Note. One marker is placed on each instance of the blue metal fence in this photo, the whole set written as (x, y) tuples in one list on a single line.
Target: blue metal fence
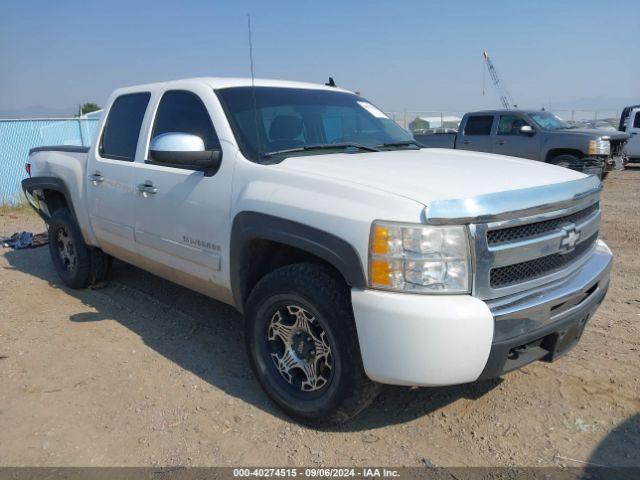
[(18, 136)]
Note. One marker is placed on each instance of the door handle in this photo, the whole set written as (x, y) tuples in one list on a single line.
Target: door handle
[(147, 188), (500, 142), (96, 178), (634, 133), (466, 142)]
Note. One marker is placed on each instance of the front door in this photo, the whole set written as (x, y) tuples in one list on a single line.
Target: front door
[(632, 148), (182, 216), (510, 141), (110, 187)]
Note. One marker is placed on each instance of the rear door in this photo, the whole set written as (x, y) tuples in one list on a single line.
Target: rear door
[(110, 169), (632, 148), (509, 141), (476, 133), (182, 226)]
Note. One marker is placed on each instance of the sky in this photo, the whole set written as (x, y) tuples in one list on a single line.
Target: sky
[(402, 55)]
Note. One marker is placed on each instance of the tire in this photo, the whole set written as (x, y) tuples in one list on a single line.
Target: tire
[(77, 264), (288, 303), (565, 161), (604, 176), (100, 269)]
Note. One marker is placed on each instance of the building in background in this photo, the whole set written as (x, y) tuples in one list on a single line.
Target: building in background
[(435, 124)]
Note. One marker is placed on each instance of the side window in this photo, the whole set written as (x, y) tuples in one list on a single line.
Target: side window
[(510, 124), (122, 128), (478, 125), (183, 112), (636, 121)]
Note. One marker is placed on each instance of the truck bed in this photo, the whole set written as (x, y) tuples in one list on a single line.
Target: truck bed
[(61, 148), (65, 166), (437, 140)]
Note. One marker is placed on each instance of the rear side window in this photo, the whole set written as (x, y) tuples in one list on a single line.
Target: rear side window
[(478, 125), (183, 112), (122, 128), (636, 122)]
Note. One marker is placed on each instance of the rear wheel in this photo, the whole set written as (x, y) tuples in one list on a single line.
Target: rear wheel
[(303, 346), (77, 265)]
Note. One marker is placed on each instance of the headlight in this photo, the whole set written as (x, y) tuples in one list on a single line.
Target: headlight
[(599, 147), (419, 258)]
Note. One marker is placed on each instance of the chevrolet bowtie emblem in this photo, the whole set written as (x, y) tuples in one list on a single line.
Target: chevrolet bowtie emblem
[(570, 239)]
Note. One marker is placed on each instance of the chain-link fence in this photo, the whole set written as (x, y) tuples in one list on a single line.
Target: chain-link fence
[(420, 120), (588, 115), (18, 136)]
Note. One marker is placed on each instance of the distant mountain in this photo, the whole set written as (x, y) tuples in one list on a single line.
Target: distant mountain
[(38, 112)]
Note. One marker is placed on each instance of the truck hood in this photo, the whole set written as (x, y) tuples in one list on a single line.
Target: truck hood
[(432, 174), (595, 132)]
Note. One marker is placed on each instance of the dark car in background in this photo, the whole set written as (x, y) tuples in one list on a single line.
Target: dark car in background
[(536, 135)]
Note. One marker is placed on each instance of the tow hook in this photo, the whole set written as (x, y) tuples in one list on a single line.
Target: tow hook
[(517, 351)]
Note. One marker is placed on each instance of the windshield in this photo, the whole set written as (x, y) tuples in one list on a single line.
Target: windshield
[(549, 121), (294, 121)]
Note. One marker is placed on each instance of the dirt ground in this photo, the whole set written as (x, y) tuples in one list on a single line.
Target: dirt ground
[(144, 372)]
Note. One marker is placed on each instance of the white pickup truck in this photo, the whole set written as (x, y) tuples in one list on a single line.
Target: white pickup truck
[(630, 123), (357, 257)]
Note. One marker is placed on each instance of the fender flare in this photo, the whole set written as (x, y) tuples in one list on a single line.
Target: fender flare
[(249, 226), (29, 185), (551, 153)]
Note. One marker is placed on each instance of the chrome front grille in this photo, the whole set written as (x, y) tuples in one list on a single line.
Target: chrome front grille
[(520, 272), (532, 230), (518, 254)]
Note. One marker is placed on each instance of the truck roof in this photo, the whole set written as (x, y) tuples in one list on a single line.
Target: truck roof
[(226, 82)]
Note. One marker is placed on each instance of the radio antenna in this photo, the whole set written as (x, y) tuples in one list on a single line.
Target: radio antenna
[(253, 88), (250, 49)]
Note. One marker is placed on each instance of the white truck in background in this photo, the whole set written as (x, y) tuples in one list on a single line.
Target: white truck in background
[(357, 257), (630, 123)]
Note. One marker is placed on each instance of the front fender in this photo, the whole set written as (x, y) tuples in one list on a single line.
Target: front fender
[(249, 226), (326, 217), (565, 141)]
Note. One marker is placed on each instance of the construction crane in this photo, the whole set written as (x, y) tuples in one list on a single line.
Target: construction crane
[(501, 89)]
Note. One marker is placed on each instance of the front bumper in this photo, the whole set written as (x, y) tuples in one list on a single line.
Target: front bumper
[(593, 165), (432, 340), (546, 323), (615, 162)]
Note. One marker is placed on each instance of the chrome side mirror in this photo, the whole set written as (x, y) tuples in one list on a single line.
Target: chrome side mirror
[(527, 130), (184, 150)]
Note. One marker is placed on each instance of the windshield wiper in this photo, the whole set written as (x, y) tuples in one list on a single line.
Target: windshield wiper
[(322, 146), (404, 143)]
